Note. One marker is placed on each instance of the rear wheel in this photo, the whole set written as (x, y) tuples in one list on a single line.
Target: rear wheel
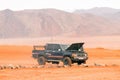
[(67, 61), (41, 60)]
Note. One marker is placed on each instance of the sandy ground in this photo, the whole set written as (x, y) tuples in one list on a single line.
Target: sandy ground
[(21, 55)]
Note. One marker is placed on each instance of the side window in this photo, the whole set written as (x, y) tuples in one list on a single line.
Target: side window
[(56, 47), (49, 47), (53, 47)]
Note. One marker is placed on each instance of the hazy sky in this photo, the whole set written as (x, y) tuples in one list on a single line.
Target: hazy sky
[(68, 5)]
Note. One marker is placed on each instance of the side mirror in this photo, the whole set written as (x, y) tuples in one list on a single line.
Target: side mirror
[(59, 50), (79, 49)]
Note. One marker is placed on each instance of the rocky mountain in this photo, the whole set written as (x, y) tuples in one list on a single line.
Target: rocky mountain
[(52, 22), (105, 12)]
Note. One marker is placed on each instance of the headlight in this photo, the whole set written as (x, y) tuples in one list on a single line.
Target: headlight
[(74, 55), (85, 54)]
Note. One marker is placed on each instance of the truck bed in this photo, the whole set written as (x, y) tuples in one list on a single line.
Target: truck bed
[(36, 53)]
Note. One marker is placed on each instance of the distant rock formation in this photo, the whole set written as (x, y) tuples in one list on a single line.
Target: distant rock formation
[(52, 22)]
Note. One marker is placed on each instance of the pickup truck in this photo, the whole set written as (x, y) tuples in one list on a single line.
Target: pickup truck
[(55, 53)]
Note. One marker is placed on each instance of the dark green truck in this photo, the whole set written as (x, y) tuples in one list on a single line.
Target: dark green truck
[(55, 53)]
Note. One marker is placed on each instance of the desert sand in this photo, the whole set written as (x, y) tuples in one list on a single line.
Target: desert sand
[(103, 64)]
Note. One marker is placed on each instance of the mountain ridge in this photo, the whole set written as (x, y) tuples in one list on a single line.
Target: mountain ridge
[(53, 22)]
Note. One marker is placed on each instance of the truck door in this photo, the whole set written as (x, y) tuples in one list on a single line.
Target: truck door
[(57, 55), (54, 52)]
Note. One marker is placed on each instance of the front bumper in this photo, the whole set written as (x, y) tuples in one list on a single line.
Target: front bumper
[(80, 58)]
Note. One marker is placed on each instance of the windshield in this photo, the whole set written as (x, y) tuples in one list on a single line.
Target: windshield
[(64, 47)]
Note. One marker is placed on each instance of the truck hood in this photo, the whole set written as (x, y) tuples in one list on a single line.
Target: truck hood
[(75, 46)]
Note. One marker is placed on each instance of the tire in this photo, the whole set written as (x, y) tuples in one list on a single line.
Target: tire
[(41, 60), (67, 61)]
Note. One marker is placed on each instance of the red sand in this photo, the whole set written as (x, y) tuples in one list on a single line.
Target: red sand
[(22, 55)]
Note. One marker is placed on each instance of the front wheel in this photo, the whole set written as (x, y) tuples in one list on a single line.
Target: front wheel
[(41, 60), (67, 61)]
